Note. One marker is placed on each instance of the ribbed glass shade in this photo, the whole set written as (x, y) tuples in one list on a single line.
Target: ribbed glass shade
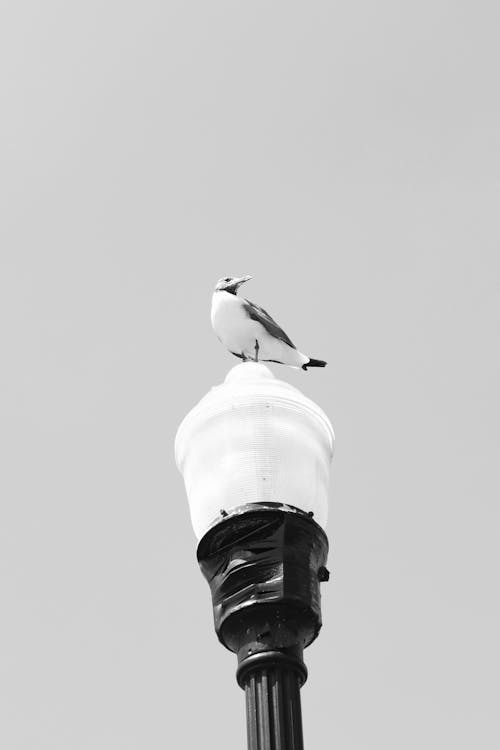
[(254, 439)]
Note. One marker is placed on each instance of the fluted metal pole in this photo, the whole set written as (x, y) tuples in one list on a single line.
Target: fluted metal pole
[(274, 718)]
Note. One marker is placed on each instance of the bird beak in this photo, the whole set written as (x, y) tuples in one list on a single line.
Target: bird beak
[(241, 280)]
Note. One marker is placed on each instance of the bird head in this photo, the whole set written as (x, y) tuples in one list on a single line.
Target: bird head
[(230, 284)]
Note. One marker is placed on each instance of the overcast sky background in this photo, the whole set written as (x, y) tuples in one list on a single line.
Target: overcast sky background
[(347, 155)]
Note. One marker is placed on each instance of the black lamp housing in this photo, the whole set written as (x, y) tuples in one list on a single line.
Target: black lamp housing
[(264, 563)]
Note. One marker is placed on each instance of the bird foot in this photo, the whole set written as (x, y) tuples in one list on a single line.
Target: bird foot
[(256, 350)]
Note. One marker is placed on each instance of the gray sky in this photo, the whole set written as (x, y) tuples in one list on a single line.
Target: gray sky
[(347, 155)]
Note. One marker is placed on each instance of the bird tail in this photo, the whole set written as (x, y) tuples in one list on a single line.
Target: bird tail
[(314, 363)]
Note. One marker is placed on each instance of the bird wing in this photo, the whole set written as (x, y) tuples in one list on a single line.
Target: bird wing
[(261, 316)]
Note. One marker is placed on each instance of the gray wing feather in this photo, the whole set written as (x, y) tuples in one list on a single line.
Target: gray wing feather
[(259, 314)]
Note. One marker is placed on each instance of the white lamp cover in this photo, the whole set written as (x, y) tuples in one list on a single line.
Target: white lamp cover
[(254, 439)]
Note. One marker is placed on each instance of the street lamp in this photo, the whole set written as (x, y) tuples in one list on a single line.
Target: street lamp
[(255, 455)]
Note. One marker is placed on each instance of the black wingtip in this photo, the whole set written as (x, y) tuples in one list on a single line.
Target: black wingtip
[(314, 363)]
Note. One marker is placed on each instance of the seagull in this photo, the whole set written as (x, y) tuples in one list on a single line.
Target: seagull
[(249, 332)]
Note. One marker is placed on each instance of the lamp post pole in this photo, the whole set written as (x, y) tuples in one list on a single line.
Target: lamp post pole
[(264, 560), (264, 564)]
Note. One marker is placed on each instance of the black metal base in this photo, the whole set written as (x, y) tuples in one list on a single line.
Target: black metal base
[(264, 564)]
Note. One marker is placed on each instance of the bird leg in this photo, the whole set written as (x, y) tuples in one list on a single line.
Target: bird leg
[(256, 350)]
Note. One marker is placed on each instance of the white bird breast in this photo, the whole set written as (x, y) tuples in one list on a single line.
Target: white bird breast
[(232, 324)]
